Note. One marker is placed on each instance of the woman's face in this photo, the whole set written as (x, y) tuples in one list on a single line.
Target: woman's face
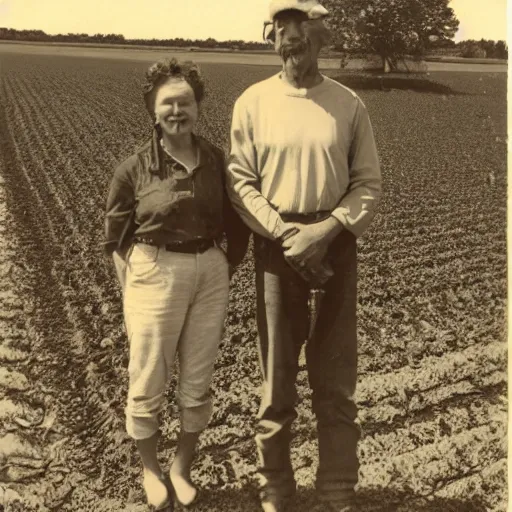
[(176, 108)]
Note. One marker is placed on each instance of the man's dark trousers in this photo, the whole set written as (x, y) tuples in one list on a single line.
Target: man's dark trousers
[(331, 356)]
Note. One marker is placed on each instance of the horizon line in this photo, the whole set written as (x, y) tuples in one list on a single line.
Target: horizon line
[(190, 38)]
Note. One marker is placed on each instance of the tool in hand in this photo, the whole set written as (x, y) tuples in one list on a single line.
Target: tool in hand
[(316, 279)]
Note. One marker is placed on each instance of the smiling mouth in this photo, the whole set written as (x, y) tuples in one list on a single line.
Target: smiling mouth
[(289, 51)]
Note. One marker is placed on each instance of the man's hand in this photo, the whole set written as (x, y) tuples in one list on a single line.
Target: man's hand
[(286, 230), (309, 245)]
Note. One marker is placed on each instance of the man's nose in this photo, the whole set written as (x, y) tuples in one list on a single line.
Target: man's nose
[(175, 108)]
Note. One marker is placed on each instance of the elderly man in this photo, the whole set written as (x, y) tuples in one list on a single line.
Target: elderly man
[(304, 175)]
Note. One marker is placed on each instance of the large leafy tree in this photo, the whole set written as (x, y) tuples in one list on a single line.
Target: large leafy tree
[(391, 28)]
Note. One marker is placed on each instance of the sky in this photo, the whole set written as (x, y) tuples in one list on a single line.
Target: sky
[(199, 19)]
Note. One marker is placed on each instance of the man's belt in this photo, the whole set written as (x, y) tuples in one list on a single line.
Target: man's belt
[(189, 246), (305, 218)]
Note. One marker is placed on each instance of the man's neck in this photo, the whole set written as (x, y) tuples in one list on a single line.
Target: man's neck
[(301, 77)]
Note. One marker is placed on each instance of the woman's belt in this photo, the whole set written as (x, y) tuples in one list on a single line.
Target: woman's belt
[(189, 246)]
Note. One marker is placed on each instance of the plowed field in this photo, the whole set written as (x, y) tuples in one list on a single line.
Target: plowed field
[(432, 386)]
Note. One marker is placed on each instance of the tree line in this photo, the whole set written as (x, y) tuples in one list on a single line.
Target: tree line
[(484, 48), (11, 34), (467, 48)]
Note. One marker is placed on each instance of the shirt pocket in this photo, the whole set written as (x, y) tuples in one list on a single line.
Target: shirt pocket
[(143, 260)]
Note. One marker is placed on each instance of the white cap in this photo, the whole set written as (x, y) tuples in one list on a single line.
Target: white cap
[(312, 8)]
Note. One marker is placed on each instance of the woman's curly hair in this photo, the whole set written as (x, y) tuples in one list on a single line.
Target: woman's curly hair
[(160, 71)]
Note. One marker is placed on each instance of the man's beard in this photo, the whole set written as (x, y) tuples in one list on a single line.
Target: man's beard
[(293, 51)]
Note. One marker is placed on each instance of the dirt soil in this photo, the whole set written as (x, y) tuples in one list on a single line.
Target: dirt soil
[(432, 384)]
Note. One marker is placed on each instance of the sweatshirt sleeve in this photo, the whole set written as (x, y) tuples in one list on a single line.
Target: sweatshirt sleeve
[(120, 202), (243, 180), (237, 233), (357, 208)]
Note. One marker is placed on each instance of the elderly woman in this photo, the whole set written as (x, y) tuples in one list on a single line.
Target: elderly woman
[(167, 212)]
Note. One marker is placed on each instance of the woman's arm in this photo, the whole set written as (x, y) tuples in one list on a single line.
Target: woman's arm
[(120, 203)]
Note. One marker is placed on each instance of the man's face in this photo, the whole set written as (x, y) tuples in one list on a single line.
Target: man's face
[(298, 39), (176, 108)]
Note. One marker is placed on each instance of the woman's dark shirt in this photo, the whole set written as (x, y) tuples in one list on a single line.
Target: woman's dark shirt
[(172, 204)]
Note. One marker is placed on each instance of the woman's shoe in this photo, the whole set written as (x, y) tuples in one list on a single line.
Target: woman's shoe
[(184, 492), (156, 491)]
